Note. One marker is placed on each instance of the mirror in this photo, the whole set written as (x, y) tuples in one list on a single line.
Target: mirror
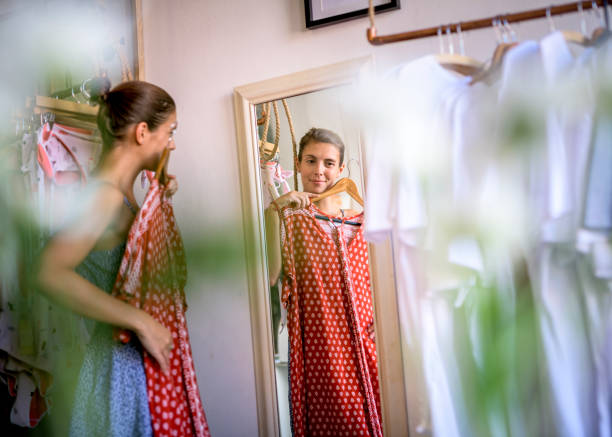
[(320, 167), (314, 98)]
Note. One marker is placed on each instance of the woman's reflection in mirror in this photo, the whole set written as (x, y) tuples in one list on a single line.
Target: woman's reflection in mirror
[(322, 264)]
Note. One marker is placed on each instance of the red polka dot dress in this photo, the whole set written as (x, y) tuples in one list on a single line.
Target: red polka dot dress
[(333, 375), (152, 276)]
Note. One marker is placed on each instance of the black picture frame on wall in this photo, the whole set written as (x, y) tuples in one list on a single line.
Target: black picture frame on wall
[(325, 12)]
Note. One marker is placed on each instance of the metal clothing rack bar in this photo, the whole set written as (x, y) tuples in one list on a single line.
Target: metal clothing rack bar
[(483, 22)]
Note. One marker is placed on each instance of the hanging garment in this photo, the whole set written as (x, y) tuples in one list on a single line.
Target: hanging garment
[(34, 333), (558, 175), (66, 156), (594, 241), (67, 153), (433, 181), (333, 374), (152, 277), (411, 141), (27, 387), (598, 198), (274, 180)]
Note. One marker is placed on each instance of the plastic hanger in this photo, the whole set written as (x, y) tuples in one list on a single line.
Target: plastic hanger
[(343, 185), (459, 63)]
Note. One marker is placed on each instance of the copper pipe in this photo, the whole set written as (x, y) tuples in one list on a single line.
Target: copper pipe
[(481, 23)]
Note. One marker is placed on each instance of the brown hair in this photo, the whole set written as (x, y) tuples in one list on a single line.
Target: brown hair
[(127, 104), (320, 135)]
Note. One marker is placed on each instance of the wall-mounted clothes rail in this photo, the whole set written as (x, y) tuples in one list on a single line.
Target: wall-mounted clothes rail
[(64, 111), (43, 103), (483, 22)]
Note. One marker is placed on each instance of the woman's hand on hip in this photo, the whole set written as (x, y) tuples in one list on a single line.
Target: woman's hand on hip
[(156, 339)]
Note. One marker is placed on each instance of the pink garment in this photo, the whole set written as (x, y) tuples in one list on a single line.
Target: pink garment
[(274, 181), (29, 387), (152, 276), (66, 154)]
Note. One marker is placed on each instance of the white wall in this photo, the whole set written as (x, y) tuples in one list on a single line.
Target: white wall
[(199, 51)]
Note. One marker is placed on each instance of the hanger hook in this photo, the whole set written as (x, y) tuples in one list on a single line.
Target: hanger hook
[(583, 27), (504, 30), (451, 47), (510, 29), (594, 7), (440, 40), (498, 34), (551, 23), (461, 40), (598, 14), (501, 31), (84, 89)]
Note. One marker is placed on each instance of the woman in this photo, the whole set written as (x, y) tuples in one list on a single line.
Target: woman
[(137, 121), (326, 289)]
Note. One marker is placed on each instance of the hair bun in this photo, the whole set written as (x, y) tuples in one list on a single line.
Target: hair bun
[(99, 88)]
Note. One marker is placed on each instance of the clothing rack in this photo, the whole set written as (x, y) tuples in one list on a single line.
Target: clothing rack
[(483, 22), (56, 105)]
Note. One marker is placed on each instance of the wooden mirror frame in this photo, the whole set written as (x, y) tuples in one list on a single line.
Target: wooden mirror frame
[(393, 396), (139, 40)]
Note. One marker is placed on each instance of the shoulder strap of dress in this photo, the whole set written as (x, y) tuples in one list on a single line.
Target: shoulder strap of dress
[(129, 205)]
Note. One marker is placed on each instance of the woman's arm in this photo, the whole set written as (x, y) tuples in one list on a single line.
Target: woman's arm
[(59, 280), (294, 199), (273, 244)]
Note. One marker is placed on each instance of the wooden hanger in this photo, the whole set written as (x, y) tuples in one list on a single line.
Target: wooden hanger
[(602, 33), (487, 74), (504, 45), (576, 37), (160, 172), (459, 63), (571, 36), (343, 185)]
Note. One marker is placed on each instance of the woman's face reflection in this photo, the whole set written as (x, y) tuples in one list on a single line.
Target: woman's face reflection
[(319, 166)]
